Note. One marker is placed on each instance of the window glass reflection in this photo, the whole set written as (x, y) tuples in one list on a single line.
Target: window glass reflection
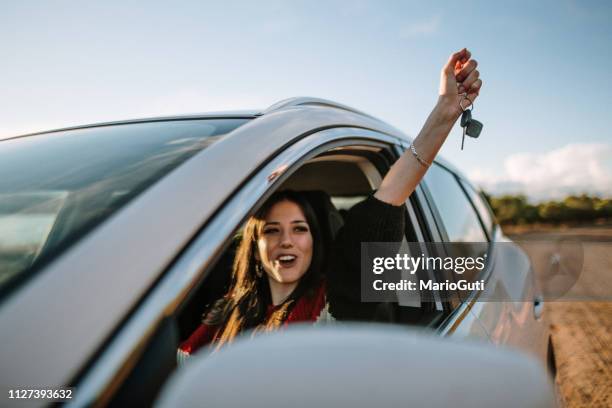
[(55, 187)]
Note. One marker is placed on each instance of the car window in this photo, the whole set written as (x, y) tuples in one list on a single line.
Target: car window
[(456, 213), (320, 181), (459, 220), (57, 186)]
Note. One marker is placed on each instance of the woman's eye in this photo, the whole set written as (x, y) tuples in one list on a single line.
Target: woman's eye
[(301, 229), (270, 231)]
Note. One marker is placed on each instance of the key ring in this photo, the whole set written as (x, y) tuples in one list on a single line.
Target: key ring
[(461, 103)]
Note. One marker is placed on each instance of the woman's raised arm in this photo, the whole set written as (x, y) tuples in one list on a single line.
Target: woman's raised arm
[(458, 76)]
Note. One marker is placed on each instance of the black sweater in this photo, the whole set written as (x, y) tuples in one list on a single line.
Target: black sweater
[(371, 220)]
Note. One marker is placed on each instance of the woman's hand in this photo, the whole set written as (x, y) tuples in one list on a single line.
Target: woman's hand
[(458, 76)]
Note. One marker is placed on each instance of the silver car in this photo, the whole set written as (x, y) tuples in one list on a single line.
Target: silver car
[(114, 236)]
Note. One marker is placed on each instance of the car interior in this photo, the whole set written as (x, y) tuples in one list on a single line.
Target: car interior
[(333, 181)]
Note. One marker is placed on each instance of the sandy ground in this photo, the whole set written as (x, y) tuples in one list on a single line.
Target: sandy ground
[(582, 324), (583, 348)]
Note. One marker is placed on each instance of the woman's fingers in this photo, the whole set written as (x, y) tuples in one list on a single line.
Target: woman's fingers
[(466, 69), (471, 79), (455, 59), (474, 90), (460, 76)]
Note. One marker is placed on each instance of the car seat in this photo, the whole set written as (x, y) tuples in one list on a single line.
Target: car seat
[(330, 220)]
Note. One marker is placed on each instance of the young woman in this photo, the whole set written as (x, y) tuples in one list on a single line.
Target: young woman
[(282, 274)]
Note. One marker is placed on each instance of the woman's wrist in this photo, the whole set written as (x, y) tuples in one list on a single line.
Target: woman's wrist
[(447, 109)]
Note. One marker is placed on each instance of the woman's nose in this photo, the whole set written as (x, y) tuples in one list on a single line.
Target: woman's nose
[(286, 240)]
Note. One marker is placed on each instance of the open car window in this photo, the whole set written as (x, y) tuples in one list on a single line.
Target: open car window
[(342, 179)]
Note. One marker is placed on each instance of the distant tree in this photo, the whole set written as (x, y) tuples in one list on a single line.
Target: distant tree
[(603, 207), (531, 214), (515, 209), (552, 211), (509, 209), (579, 208)]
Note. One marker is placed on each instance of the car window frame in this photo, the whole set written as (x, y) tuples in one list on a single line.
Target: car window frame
[(420, 213)]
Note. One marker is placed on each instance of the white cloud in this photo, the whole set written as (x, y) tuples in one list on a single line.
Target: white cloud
[(573, 169), (421, 28)]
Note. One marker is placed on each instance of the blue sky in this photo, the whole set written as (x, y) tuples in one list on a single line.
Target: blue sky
[(546, 102)]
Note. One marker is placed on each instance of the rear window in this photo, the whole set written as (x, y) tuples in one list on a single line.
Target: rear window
[(458, 216), (56, 187)]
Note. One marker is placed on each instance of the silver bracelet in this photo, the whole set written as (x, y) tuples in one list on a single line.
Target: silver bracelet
[(416, 156)]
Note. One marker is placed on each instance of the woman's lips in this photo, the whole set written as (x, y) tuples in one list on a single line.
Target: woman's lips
[(286, 260)]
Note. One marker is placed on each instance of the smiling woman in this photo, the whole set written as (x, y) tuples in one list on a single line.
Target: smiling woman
[(285, 247), (282, 273), (277, 274)]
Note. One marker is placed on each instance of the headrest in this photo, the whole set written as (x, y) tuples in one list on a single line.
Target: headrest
[(328, 216)]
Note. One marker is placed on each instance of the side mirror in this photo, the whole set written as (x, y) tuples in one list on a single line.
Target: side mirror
[(359, 366)]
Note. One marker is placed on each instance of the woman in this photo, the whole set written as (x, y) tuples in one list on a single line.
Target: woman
[(278, 274)]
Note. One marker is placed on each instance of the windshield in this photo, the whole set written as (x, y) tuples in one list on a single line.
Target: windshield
[(56, 187)]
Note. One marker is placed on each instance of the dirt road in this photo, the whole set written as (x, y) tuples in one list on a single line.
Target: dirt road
[(582, 330), (582, 339)]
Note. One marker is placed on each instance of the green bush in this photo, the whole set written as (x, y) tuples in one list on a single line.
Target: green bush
[(516, 210)]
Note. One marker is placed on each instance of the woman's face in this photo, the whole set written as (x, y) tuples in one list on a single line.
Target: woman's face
[(285, 243)]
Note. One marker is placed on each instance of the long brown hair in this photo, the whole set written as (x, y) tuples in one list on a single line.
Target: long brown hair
[(245, 304)]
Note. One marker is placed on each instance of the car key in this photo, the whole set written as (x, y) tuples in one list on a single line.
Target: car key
[(466, 118), (473, 128)]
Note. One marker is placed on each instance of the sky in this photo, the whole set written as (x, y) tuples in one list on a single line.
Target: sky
[(546, 101)]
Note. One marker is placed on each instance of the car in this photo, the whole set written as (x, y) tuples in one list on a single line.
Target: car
[(115, 235)]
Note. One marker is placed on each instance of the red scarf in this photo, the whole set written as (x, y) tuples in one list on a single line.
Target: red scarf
[(306, 309)]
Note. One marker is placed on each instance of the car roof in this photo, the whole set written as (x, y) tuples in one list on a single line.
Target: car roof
[(335, 110), (238, 114)]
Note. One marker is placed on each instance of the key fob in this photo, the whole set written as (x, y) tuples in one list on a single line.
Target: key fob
[(474, 128), (466, 116)]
